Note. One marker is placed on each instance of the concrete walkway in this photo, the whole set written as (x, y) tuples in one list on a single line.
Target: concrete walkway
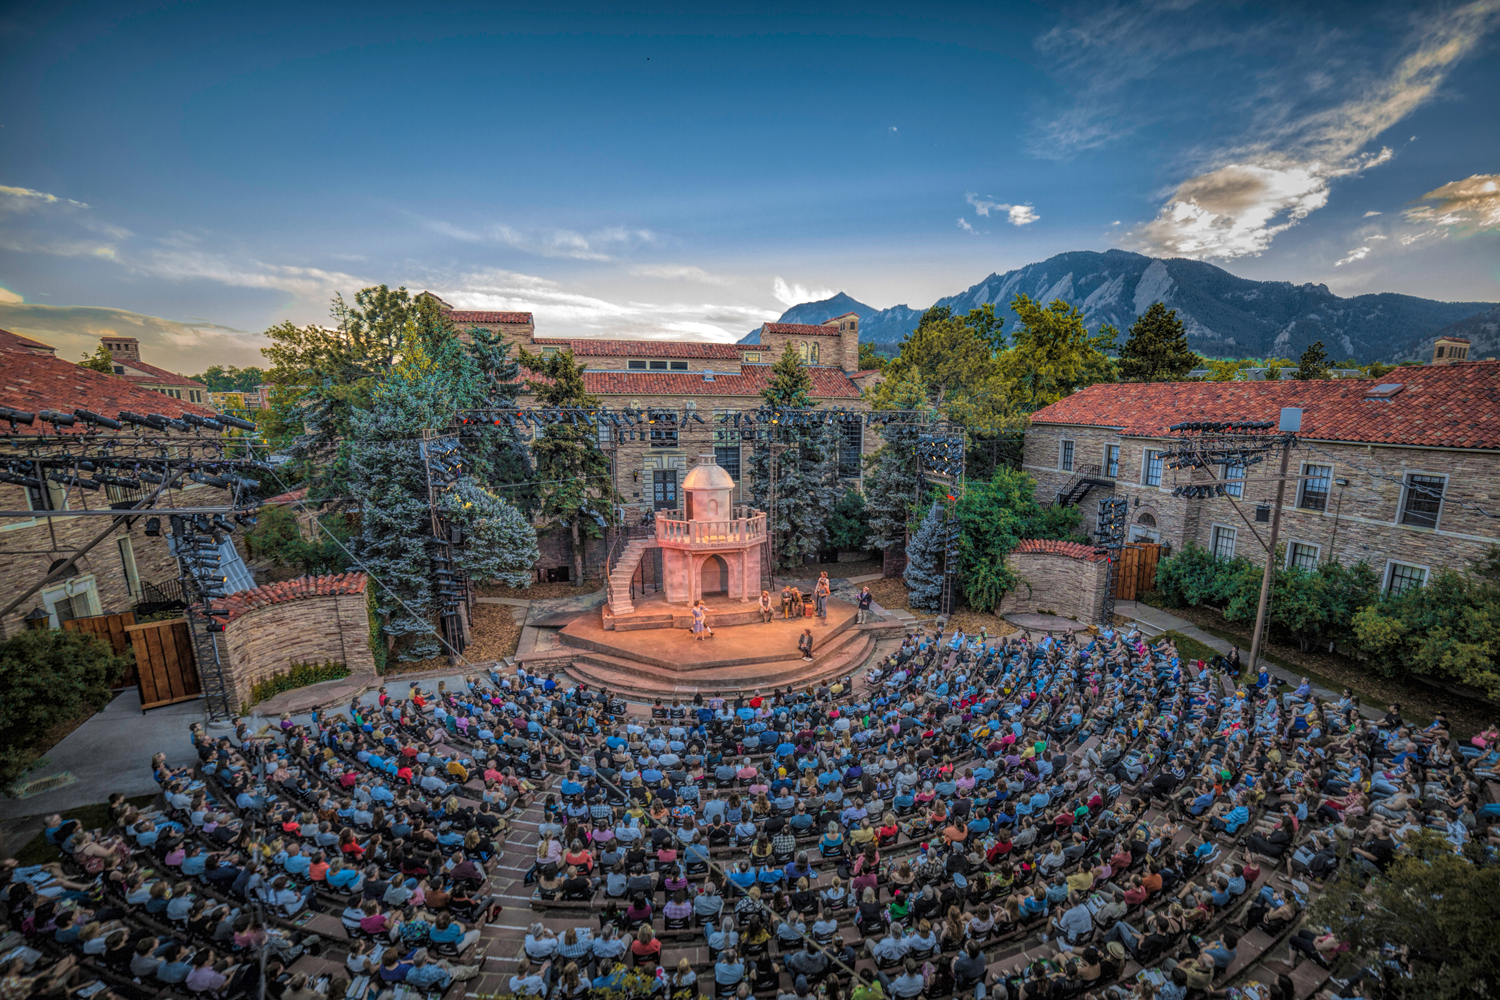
[(1155, 621)]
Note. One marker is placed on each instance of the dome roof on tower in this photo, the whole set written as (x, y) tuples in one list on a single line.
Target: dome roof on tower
[(707, 476)]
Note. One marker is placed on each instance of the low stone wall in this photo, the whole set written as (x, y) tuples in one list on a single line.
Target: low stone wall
[(306, 620), (1064, 578)]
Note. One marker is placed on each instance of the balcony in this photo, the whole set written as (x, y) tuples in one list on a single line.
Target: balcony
[(746, 528)]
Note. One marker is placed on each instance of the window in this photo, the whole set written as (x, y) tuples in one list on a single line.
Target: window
[(664, 489), (1314, 492), (1066, 463), (119, 369), (1422, 500), (1400, 578), (1223, 542), (127, 567), (663, 428), (1302, 556), (752, 357), (727, 457), (195, 396), (851, 444), (658, 366), (636, 366), (70, 600), (1151, 469), (1233, 471), (679, 366), (549, 352), (808, 352), (1111, 460)]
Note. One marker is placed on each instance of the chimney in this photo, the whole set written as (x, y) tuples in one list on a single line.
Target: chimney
[(122, 348), (1447, 350)]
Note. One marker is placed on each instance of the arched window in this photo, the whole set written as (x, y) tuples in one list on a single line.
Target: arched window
[(1147, 520)]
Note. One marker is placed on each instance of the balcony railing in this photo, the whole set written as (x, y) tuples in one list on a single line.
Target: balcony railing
[(746, 527)]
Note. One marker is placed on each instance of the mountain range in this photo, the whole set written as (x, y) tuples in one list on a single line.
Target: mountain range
[(1225, 315)]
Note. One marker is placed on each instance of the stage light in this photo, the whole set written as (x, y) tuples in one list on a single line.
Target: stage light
[(232, 421), (153, 527)]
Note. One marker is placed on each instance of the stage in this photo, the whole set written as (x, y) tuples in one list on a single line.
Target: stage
[(658, 659)]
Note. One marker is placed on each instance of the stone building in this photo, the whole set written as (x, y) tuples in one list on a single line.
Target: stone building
[(1402, 473), (126, 352), (112, 575)]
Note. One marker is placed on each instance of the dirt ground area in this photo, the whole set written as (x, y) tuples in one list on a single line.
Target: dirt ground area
[(535, 591), (494, 633), (891, 593)]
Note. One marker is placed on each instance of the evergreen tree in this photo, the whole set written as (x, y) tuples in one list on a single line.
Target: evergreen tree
[(802, 456), (924, 560), (1054, 354), (893, 483), (1157, 350), (849, 523), (1314, 363), (100, 361), (577, 489), (500, 459)]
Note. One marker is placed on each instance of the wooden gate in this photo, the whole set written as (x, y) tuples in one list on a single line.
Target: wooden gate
[(1137, 570), (110, 628), (165, 667)]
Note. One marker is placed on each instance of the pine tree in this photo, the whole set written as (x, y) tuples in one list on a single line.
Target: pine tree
[(100, 361), (893, 486), (1157, 350), (577, 488), (1314, 363), (924, 560), (500, 459), (802, 455)]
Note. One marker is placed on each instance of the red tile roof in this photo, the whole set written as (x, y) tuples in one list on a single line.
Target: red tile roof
[(1043, 546), (646, 348), (802, 329), (14, 341), (153, 375), (244, 601), (1456, 340), (478, 316), (828, 383), (34, 382), (1439, 406), (295, 496)]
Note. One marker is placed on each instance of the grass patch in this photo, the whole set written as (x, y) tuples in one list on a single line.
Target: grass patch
[(95, 817)]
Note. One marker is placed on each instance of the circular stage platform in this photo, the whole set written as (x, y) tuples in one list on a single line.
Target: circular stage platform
[(1046, 623)]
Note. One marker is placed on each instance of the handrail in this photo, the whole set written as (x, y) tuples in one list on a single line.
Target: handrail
[(747, 529)]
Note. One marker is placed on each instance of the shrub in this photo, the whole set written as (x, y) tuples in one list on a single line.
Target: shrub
[(298, 675), (1449, 628), (49, 677), (995, 516)]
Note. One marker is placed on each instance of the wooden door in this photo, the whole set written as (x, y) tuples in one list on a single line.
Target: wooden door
[(110, 628), (1137, 570), (166, 669)]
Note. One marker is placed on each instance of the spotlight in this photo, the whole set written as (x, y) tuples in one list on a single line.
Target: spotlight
[(97, 419), (153, 527)]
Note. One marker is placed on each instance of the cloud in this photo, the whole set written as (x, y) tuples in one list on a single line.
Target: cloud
[(562, 312), (1236, 210), (1411, 238), (678, 272), (602, 244), (180, 346), (1017, 215), (8, 297), (1359, 253), (790, 295), (964, 225), (1305, 125), (1471, 204), (1370, 215), (19, 199)]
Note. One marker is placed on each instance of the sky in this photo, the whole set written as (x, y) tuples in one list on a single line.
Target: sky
[(193, 173)]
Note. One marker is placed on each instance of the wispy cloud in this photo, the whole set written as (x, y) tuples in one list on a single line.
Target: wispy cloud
[(1283, 172), (790, 295), (964, 225), (1469, 205), (19, 199), (1358, 253), (680, 272), (1371, 215), (601, 244), (1016, 215), (563, 312), (38, 222)]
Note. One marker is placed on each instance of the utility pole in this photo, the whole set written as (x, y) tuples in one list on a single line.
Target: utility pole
[(1291, 423)]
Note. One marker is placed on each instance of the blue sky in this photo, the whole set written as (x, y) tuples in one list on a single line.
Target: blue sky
[(193, 173)]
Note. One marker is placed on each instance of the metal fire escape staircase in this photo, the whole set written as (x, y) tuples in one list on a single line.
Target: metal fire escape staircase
[(1086, 478)]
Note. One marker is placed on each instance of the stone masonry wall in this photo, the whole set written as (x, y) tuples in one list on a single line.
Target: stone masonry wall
[(271, 637), (1059, 582)]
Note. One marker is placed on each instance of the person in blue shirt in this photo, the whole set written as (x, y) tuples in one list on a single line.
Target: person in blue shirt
[(743, 876)]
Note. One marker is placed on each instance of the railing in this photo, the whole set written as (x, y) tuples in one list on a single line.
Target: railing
[(623, 536), (746, 527), (168, 596), (1085, 478)]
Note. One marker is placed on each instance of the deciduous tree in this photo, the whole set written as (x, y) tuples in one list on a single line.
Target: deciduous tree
[(100, 361), (1053, 354)]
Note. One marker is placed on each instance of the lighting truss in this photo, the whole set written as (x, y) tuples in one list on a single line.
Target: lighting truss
[(1110, 532)]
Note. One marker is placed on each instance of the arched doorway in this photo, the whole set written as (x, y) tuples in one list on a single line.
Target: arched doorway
[(715, 578)]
